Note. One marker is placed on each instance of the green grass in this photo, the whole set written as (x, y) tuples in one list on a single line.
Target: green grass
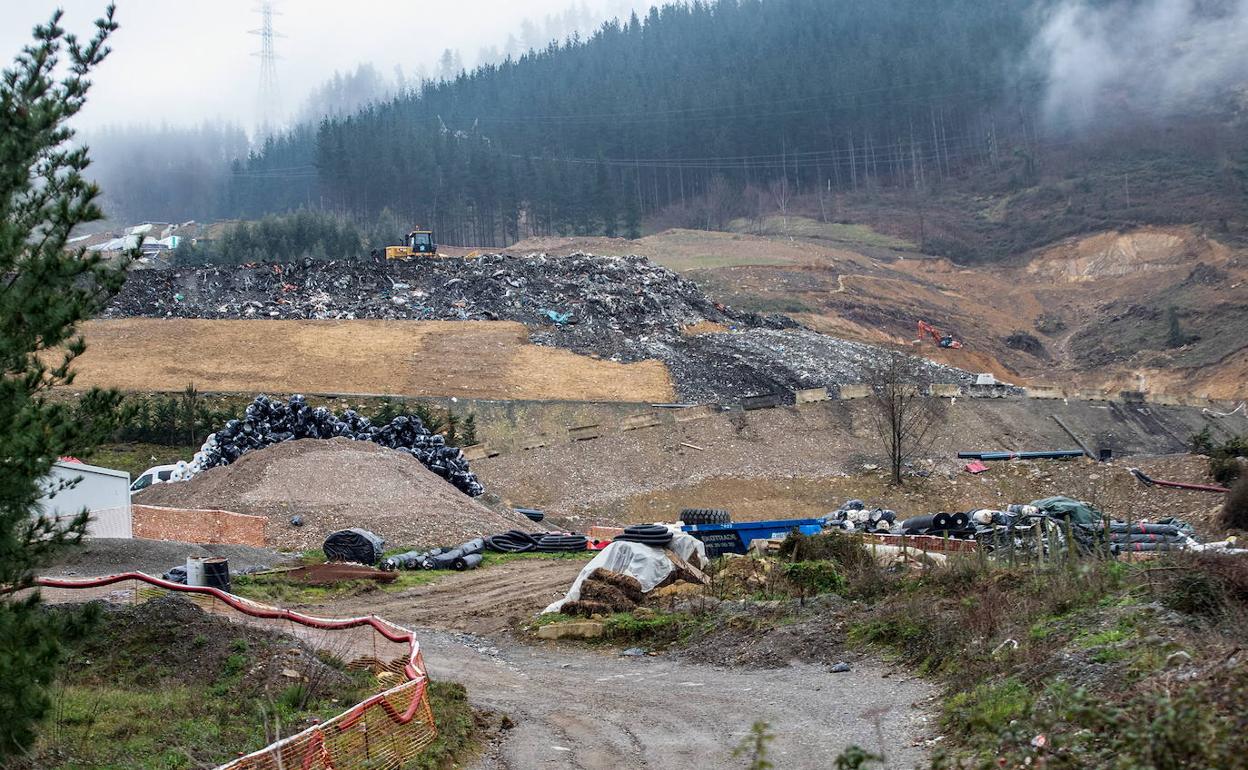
[(988, 707), (159, 728), (458, 737), (643, 626), (136, 458), (275, 589), (805, 227)]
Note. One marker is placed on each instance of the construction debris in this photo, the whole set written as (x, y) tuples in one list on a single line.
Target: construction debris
[(650, 566)]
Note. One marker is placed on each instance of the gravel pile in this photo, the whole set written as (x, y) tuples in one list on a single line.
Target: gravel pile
[(337, 484), (621, 308), (267, 422), (109, 555)]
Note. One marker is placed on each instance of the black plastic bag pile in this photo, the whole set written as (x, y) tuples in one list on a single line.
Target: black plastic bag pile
[(462, 557), (516, 541), (354, 545), (269, 421)]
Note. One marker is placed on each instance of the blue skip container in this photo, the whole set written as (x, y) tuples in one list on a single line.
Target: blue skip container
[(720, 539)]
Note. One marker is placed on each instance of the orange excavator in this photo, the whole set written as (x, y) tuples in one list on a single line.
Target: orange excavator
[(942, 340)]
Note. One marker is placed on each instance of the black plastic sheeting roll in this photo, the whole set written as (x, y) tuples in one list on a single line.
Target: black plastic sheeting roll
[(1123, 537), (647, 534), (468, 561), (953, 524), (1142, 528), (268, 421), (532, 513), (354, 545), (918, 525), (464, 556)]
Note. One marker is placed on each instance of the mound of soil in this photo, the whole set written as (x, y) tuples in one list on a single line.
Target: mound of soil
[(110, 555), (171, 641), (336, 484)]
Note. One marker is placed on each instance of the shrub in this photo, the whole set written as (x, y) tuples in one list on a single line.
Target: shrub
[(815, 577), (1235, 509)]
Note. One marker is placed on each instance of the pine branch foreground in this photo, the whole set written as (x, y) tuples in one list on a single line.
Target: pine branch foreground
[(45, 292)]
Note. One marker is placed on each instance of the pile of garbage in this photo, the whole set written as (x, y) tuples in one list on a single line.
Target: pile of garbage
[(587, 298), (267, 422), (624, 309), (642, 554)]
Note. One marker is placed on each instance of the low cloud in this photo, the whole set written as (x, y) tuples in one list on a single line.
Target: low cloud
[(1149, 57)]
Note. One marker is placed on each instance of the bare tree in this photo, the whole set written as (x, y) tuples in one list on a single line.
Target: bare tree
[(783, 198), (720, 201), (903, 412)]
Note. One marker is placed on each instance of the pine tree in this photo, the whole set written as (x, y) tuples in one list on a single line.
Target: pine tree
[(45, 291)]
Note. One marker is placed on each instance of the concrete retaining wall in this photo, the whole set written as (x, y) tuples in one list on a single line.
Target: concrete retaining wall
[(197, 525)]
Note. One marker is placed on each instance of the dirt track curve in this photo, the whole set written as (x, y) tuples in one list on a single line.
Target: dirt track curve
[(579, 707)]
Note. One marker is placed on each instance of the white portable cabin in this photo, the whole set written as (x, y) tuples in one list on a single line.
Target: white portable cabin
[(102, 491)]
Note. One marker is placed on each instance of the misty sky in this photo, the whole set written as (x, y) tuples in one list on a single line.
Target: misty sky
[(183, 62)]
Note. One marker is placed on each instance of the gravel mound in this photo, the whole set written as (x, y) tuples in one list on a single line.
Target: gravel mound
[(624, 309), (336, 484), (110, 555)]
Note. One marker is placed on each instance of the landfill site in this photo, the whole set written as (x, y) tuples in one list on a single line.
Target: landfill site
[(673, 521)]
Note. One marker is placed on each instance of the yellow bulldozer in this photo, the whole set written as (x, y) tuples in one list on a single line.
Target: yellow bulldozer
[(420, 243)]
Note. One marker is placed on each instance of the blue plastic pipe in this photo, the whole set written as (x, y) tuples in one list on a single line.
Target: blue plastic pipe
[(1055, 454)]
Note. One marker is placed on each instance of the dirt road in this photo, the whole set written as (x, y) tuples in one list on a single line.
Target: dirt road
[(482, 601), (577, 707)]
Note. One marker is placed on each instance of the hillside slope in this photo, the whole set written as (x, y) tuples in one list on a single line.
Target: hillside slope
[(1091, 312)]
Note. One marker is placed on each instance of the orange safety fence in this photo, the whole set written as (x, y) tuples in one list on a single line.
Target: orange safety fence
[(385, 731)]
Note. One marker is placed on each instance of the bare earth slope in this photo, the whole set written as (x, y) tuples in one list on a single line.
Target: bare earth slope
[(481, 359), (1086, 312)]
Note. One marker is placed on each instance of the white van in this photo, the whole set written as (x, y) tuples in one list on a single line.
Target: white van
[(158, 474)]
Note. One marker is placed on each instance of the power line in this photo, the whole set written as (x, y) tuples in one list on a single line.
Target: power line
[(268, 94)]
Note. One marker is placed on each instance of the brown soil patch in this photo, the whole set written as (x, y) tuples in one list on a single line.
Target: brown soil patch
[(778, 463), (334, 485), (482, 601), (333, 573), (470, 359), (703, 327), (1110, 487)]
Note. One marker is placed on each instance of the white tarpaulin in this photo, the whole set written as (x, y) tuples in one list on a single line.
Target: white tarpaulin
[(648, 564)]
